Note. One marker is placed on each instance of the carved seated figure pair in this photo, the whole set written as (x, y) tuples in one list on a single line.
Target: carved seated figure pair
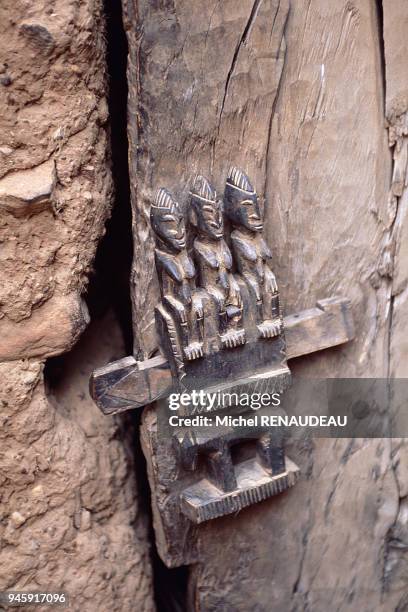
[(212, 256)]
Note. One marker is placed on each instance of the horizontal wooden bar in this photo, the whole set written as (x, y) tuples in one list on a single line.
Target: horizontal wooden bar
[(329, 324), (127, 384)]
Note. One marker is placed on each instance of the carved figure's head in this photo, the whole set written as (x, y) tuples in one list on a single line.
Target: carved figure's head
[(241, 202), (167, 221), (206, 210)]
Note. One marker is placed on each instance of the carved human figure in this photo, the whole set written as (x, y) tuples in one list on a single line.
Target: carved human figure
[(251, 253), (214, 261), (176, 273)]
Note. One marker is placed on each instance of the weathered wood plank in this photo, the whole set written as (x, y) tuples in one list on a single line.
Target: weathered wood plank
[(319, 546), (320, 148)]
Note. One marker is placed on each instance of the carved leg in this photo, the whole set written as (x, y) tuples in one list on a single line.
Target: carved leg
[(268, 326), (217, 456), (271, 453), (275, 308), (198, 316), (221, 470), (223, 321), (234, 300), (199, 325), (219, 300), (271, 324), (230, 338), (192, 350), (168, 332), (234, 312), (255, 293), (259, 312)]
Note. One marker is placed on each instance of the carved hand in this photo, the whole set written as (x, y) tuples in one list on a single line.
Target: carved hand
[(234, 296), (270, 283), (198, 307)]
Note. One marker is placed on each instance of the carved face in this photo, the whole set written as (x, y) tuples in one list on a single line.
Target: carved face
[(208, 218), (168, 222), (242, 208)]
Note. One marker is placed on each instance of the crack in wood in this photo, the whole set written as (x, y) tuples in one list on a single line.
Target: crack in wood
[(242, 41)]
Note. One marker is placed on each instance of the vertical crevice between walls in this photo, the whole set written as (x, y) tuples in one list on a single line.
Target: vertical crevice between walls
[(109, 287), (115, 260)]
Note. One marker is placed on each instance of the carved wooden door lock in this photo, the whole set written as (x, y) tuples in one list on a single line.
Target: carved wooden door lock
[(220, 328)]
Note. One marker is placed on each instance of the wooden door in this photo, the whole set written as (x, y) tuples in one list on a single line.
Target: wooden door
[(310, 97)]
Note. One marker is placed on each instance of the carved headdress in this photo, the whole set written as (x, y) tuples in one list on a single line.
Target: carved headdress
[(206, 209), (165, 217), (203, 190), (237, 179), (164, 203)]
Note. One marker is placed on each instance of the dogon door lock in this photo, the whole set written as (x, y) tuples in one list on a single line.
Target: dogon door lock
[(220, 328)]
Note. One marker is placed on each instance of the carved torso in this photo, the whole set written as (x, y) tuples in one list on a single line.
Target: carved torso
[(176, 275), (251, 253), (214, 262)]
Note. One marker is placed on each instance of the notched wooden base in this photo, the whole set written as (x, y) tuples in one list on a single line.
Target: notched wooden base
[(204, 501), (186, 493)]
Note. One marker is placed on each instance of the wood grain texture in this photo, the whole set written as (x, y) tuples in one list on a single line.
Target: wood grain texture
[(202, 83), (207, 86), (327, 188)]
